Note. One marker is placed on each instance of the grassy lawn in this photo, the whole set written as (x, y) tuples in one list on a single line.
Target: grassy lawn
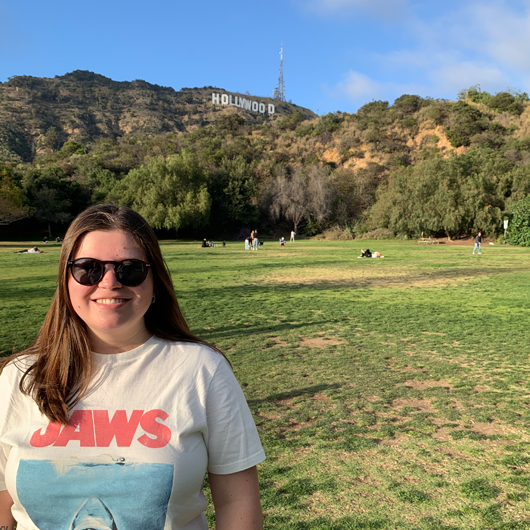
[(389, 393)]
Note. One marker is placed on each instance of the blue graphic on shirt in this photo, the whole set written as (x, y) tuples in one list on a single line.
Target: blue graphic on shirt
[(106, 494)]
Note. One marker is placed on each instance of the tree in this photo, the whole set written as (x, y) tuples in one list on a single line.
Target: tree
[(13, 205), (301, 196), (55, 198), (518, 232), (50, 208), (289, 197), (169, 192), (233, 188), (51, 139), (322, 193)]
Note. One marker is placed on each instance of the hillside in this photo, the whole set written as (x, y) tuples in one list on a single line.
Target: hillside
[(82, 106), (418, 165)]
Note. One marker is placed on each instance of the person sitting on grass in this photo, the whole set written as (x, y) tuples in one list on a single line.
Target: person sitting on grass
[(34, 250), (282, 241)]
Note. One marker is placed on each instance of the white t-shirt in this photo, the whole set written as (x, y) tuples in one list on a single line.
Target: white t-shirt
[(135, 451)]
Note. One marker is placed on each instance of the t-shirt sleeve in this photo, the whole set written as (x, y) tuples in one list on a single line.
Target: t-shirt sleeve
[(6, 388), (3, 462), (233, 442)]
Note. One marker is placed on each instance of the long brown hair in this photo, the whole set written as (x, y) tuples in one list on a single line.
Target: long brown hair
[(60, 374)]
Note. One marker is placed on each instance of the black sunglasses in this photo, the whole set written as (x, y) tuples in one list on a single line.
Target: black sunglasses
[(90, 271)]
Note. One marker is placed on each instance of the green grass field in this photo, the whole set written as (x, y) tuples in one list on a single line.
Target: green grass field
[(389, 393)]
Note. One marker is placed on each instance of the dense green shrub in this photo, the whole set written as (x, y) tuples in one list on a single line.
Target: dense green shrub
[(518, 232)]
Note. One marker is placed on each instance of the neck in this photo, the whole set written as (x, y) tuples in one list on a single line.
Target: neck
[(104, 343)]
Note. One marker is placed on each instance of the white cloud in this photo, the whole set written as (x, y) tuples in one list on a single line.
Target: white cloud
[(485, 43), (359, 89), (503, 34), (356, 85)]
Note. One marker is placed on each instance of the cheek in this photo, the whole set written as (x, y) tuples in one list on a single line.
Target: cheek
[(77, 294)]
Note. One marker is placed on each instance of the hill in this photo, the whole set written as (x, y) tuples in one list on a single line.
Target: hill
[(40, 114), (419, 165)]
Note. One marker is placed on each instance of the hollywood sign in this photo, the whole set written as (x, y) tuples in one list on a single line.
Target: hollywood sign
[(242, 103)]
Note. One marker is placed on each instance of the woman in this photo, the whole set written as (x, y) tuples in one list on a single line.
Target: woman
[(111, 418)]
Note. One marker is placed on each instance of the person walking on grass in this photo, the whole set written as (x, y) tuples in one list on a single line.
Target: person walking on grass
[(293, 233), (255, 241), (478, 241)]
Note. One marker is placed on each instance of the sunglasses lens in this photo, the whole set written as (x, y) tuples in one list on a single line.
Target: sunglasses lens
[(131, 272), (87, 271)]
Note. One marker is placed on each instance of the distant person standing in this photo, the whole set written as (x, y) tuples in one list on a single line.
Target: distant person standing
[(293, 233), (478, 241), (255, 241)]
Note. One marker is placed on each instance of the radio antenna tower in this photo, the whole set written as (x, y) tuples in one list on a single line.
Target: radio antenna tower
[(279, 91)]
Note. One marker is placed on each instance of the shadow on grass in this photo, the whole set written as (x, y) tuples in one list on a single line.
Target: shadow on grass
[(37, 287), (307, 391), (235, 331)]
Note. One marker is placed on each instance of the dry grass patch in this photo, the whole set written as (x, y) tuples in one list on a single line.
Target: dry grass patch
[(376, 275), (424, 405), (427, 383), (320, 342), (278, 342)]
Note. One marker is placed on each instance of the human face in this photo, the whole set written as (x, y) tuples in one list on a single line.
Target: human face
[(112, 312)]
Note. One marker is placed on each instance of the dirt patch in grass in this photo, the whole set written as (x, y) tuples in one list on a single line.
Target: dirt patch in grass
[(268, 416), (427, 383), (278, 341), (397, 439), (424, 405), (319, 396), (481, 388), (407, 369), (442, 434), (320, 342), (492, 428), (372, 277)]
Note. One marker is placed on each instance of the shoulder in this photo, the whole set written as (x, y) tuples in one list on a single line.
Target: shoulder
[(14, 370), (194, 356)]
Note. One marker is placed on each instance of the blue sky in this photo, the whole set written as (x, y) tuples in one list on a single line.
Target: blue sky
[(338, 54)]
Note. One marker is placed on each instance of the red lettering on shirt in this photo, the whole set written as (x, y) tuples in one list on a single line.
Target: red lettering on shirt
[(43, 439), (95, 429), (118, 427), (161, 432), (80, 427)]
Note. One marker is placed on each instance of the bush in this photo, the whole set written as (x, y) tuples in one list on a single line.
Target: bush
[(379, 233), (336, 233), (518, 232)]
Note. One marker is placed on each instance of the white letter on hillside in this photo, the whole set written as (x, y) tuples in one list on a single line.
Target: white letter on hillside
[(255, 106), (224, 99), (271, 108), (262, 108), (215, 98), (245, 103)]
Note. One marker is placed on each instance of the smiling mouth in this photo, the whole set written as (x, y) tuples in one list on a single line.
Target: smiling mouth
[(110, 301)]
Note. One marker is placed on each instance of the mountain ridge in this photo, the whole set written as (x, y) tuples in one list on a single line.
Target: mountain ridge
[(83, 106)]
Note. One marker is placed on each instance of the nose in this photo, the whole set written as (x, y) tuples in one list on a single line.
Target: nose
[(109, 280)]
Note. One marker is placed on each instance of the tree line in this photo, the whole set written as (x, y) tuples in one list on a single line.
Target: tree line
[(230, 175)]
